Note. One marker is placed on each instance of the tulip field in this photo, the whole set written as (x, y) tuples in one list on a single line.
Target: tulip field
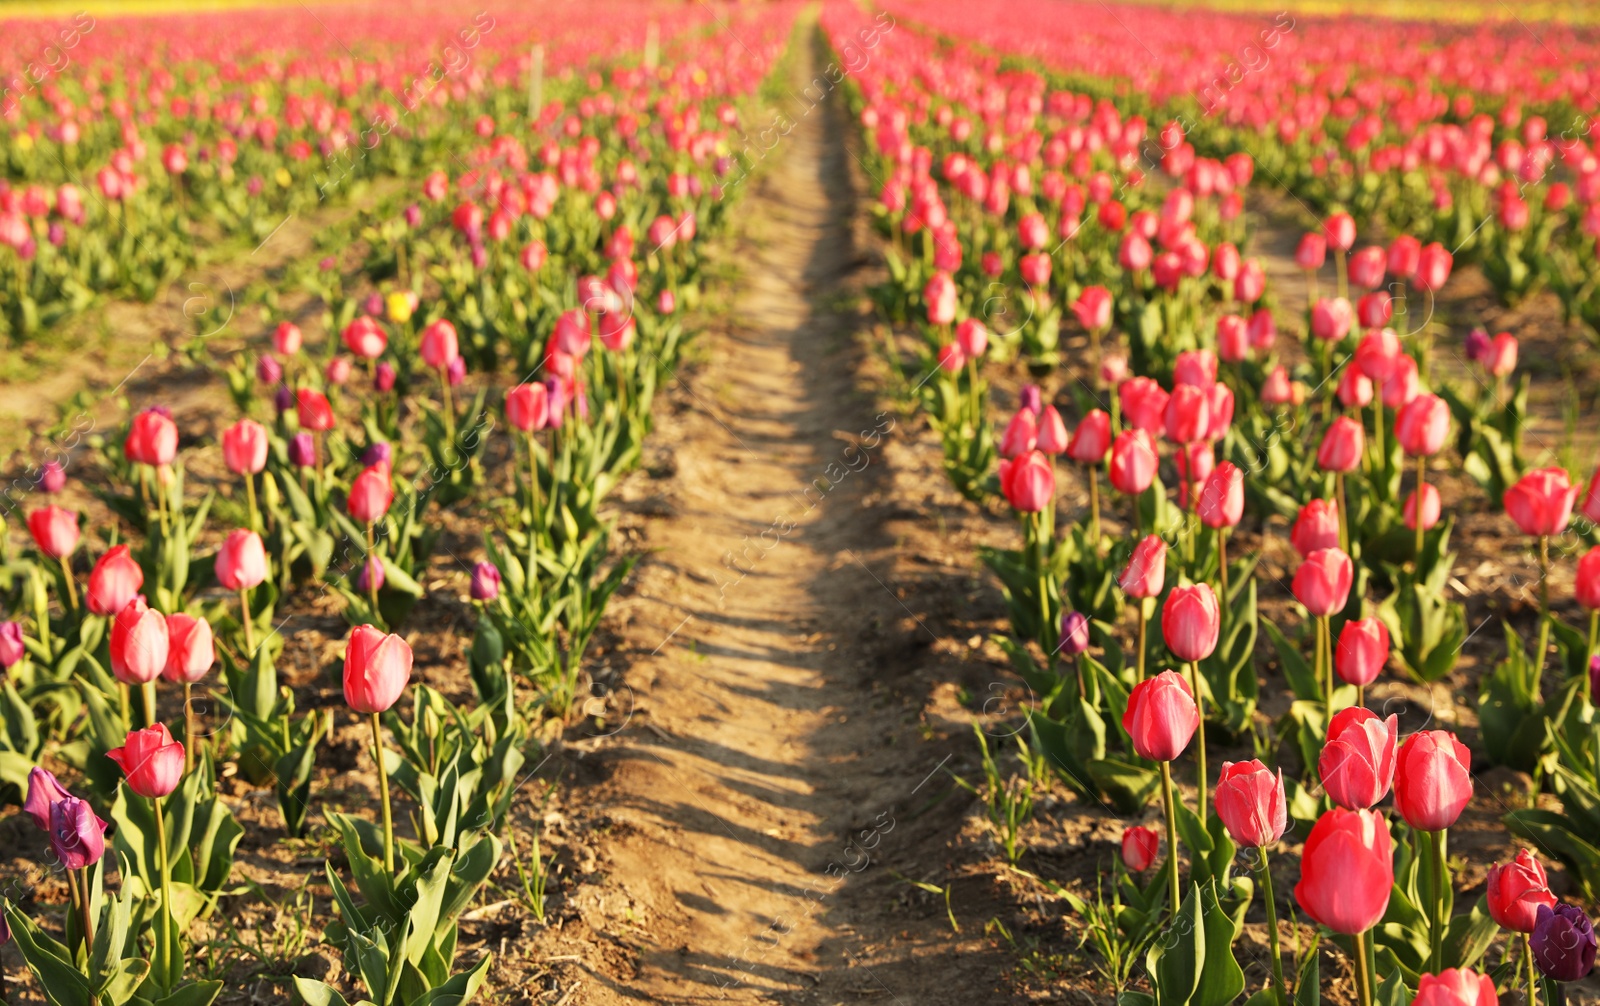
[(442, 563)]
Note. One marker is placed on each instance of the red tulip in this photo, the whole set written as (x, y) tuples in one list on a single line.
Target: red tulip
[(139, 643), (1403, 254), (1431, 507), (1363, 651), (1029, 482), (1144, 403), (1591, 499), (940, 296), (1190, 622), (1093, 308), (1541, 502), (1375, 310), (241, 561), (152, 761), (1587, 587), (1346, 870), (365, 337), (1161, 716), (528, 407), (1221, 402), (1312, 252), (1146, 572), (1331, 318), (439, 346), (1233, 338), (1195, 366), (1342, 446), (1251, 802), (1432, 780), (1355, 389), (1357, 762), (972, 337), (1251, 282), (1433, 267), (1378, 353), (1422, 425), (1516, 890), (190, 649), (1188, 414), (1052, 431), (54, 530), (1020, 436), (1456, 987), (286, 338), (1340, 231), (1092, 439), (1316, 527), (313, 410), (114, 581), (1139, 848), (1502, 356), (1277, 389), (1402, 386), (244, 447), (1322, 583), (1367, 266), (152, 439), (1221, 501), (370, 494), (1133, 462), (376, 669)]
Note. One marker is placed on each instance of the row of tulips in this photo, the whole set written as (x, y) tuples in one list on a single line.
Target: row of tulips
[(343, 445), (1323, 431)]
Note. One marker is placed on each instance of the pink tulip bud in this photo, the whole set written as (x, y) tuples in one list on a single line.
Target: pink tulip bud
[(190, 651), (1363, 650), (244, 447), (1190, 622), (241, 561), (1161, 716), (1322, 582), (1146, 572), (376, 669), (1251, 802), (113, 582), (152, 761)]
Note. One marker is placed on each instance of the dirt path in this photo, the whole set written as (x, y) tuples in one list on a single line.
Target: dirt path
[(769, 781)]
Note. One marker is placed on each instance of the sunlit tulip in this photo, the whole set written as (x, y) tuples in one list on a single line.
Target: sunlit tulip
[(139, 643), (1515, 890), (1422, 424), (1161, 716), (1133, 462), (1146, 572), (1316, 527), (1191, 621), (54, 530), (1541, 502), (113, 582), (244, 447), (241, 561), (1432, 780), (152, 439), (1346, 870), (1342, 446), (1362, 651), (1322, 582), (1140, 846), (1028, 482), (152, 761), (1456, 987), (1250, 800)]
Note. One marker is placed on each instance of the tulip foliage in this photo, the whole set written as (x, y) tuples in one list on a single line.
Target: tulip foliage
[(1049, 186), (484, 342)]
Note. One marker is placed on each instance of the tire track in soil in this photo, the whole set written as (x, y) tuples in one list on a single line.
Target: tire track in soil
[(773, 776)]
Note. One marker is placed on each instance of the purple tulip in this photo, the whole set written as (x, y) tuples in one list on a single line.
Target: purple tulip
[(373, 305), (283, 400), (57, 234), (77, 836), (54, 477), (1477, 345), (1031, 399), (11, 648), (43, 790), (485, 582), (371, 576), (1074, 633), (268, 370), (1563, 943), (302, 450), (383, 377), (377, 453), (413, 215)]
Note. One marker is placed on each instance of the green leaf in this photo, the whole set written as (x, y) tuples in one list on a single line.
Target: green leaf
[(1221, 978), (1174, 962)]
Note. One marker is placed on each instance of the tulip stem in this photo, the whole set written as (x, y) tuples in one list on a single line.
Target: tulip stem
[(1344, 513), (1222, 564), (149, 693), (383, 793), (1381, 457), (1272, 923), (1324, 672), (372, 579), (164, 939), (1544, 613), (1172, 833), (1140, 606), (247, 623), (1094, 506), (1200, 735), (1422, 480), (449, 410), (250, 497), (1363, 971), (86, 909), (72, 586), (1533, 976), (1440, 879), (188, 728)]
